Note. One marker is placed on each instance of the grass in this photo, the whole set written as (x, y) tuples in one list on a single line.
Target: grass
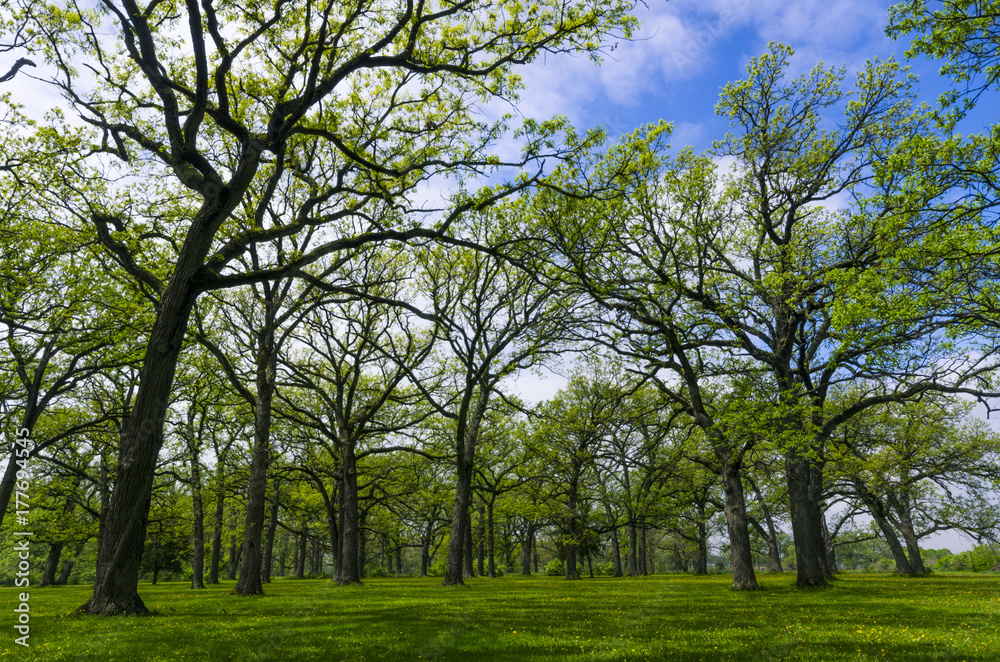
[(861, 617)]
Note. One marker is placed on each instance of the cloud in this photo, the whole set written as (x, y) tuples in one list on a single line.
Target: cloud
[(681, 40)]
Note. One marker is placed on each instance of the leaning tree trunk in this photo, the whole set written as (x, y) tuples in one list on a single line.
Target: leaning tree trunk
[(253, 531), (741, 555), (807, 527), (878, 513), (51, 564), (116, 587), (908, 531), (771, 535)]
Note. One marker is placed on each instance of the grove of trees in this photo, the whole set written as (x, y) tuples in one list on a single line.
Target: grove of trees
[(270, 276)]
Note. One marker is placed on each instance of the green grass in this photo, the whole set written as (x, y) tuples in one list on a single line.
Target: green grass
[(861, 617)]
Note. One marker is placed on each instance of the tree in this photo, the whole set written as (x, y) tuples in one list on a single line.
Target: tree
[(748, 275), (576, 426), (347, 384), (217, 108), (908, 462), (965, 33), (499, 315)]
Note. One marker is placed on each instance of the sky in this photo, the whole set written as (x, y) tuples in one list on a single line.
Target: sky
[(686, 50)]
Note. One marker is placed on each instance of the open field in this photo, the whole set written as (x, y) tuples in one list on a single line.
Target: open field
[(861, 617)]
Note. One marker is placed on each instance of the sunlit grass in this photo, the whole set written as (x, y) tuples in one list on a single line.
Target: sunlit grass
[(861, 617)]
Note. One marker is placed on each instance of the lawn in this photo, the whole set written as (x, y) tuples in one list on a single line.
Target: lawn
[(861, 617)]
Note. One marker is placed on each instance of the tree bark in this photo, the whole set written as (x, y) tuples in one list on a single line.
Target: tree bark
[(220, 512), (908, 531), (805, 514), (353, 564), (116, 587), (771, 535), (465, 436), (267, 358), (526, 544), (741, 556), (616, 553), (491, 546), (300, 556), (235, 551), (197, 513), (272, 528), (51, 564), (633, 541), (67, 568)]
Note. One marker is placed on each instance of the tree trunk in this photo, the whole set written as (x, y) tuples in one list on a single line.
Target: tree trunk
[(51, 564), (526, 544), (67, 568), (197, 514), (741, 556), (481, 547), (807, 530), (701, 556), (466, 435), (362, 542), (453, 567), (116, 587), (641, 551), (571, 523), (878, 512), (399, 560), (490, 547), (352, 564), (338, 561), (253, 531), (300, 556), (220, 511), (470, 570), (771, 536), (831, 552), (272, 528), (616, 552), (907, 530), (633, 540), (235, 551), (425, 548)]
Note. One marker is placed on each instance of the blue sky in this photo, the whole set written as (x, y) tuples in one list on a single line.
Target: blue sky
[(686, 50)]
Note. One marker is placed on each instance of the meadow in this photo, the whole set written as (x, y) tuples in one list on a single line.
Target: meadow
[(675, 617)]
